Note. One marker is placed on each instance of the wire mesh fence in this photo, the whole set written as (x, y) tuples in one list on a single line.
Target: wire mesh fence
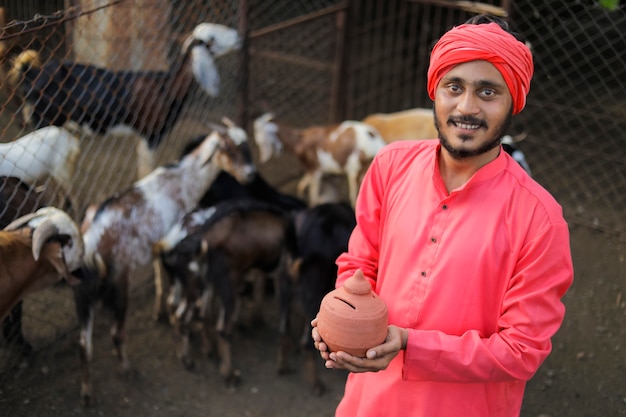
[(323, 61), (577, 108), (143, 43)]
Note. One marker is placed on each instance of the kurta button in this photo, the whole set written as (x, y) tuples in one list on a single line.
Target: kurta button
[(433, 239), (423, 273), (444, 207)]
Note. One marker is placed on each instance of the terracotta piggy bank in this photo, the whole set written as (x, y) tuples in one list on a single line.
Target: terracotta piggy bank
[(353, 318)]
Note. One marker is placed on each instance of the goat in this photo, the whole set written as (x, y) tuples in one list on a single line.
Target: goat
[(416, 124), (419, 124), (334, 149), (50, 151), (17, 199), (149, 102), (37, 250), (315, 238), (120, 232), (224, 188), (212, 250), (508, 144)]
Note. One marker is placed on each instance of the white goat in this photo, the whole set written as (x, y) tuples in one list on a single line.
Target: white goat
[(120, 233), (49, 151), (345, 148), (37, 250), (417, 123)]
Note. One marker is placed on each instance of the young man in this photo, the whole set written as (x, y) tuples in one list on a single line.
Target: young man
[(469, 253)]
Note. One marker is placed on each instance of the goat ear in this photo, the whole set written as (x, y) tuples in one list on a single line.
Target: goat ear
[(205, 71), (223, 141), (53, 253)]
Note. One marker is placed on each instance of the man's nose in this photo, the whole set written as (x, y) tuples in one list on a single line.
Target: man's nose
[(468, 103)]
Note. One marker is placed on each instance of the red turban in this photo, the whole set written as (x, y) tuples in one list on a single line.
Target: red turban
[(487, 42)]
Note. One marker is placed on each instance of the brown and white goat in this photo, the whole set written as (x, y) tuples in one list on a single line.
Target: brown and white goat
[(344, 148), (149, 102), (36, 251), (120, 233), (411, 124), (17, 199)]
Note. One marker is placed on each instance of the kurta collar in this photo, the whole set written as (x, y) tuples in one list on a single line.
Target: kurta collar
[(485, 173)]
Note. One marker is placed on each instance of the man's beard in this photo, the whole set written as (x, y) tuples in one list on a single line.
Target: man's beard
[(463, 153)]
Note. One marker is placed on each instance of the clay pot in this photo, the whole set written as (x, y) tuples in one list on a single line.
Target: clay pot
[(353, 318)]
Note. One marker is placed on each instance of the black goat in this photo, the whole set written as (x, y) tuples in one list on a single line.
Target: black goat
[(315, 238), (212, 252), (147, 101), (224, 188)]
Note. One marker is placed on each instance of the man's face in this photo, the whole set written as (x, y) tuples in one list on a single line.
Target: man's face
[(472, 109)]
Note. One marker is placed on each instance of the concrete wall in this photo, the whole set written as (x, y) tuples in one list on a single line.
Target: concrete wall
[(130, 35)]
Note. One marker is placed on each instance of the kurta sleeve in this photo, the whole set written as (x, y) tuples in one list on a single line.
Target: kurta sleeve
[(531, 313), (363, 247)]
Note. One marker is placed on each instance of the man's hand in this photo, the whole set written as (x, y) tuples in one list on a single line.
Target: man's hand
[(377, 358)]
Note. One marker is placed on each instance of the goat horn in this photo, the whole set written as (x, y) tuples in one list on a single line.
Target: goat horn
[(189, 38), (22, 221), (58, 224), (42, 234)]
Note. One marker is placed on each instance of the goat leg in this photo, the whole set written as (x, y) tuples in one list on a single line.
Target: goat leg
[(184, 315), (284, 343), (304, 182), (284, 348), (206, 305), (12, 330), (311, 374), (85, 312), (353, 186), (311, 362), (314, 188), (118, 334), (252, 312), (224, 348), (145, 158), (158, 311)]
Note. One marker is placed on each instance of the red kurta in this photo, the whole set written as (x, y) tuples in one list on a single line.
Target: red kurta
[(477, 277)]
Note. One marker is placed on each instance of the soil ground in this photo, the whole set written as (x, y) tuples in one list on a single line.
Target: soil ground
[(585, 376)]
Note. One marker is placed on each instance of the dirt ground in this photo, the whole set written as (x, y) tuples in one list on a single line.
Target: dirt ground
[(584, 377)]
